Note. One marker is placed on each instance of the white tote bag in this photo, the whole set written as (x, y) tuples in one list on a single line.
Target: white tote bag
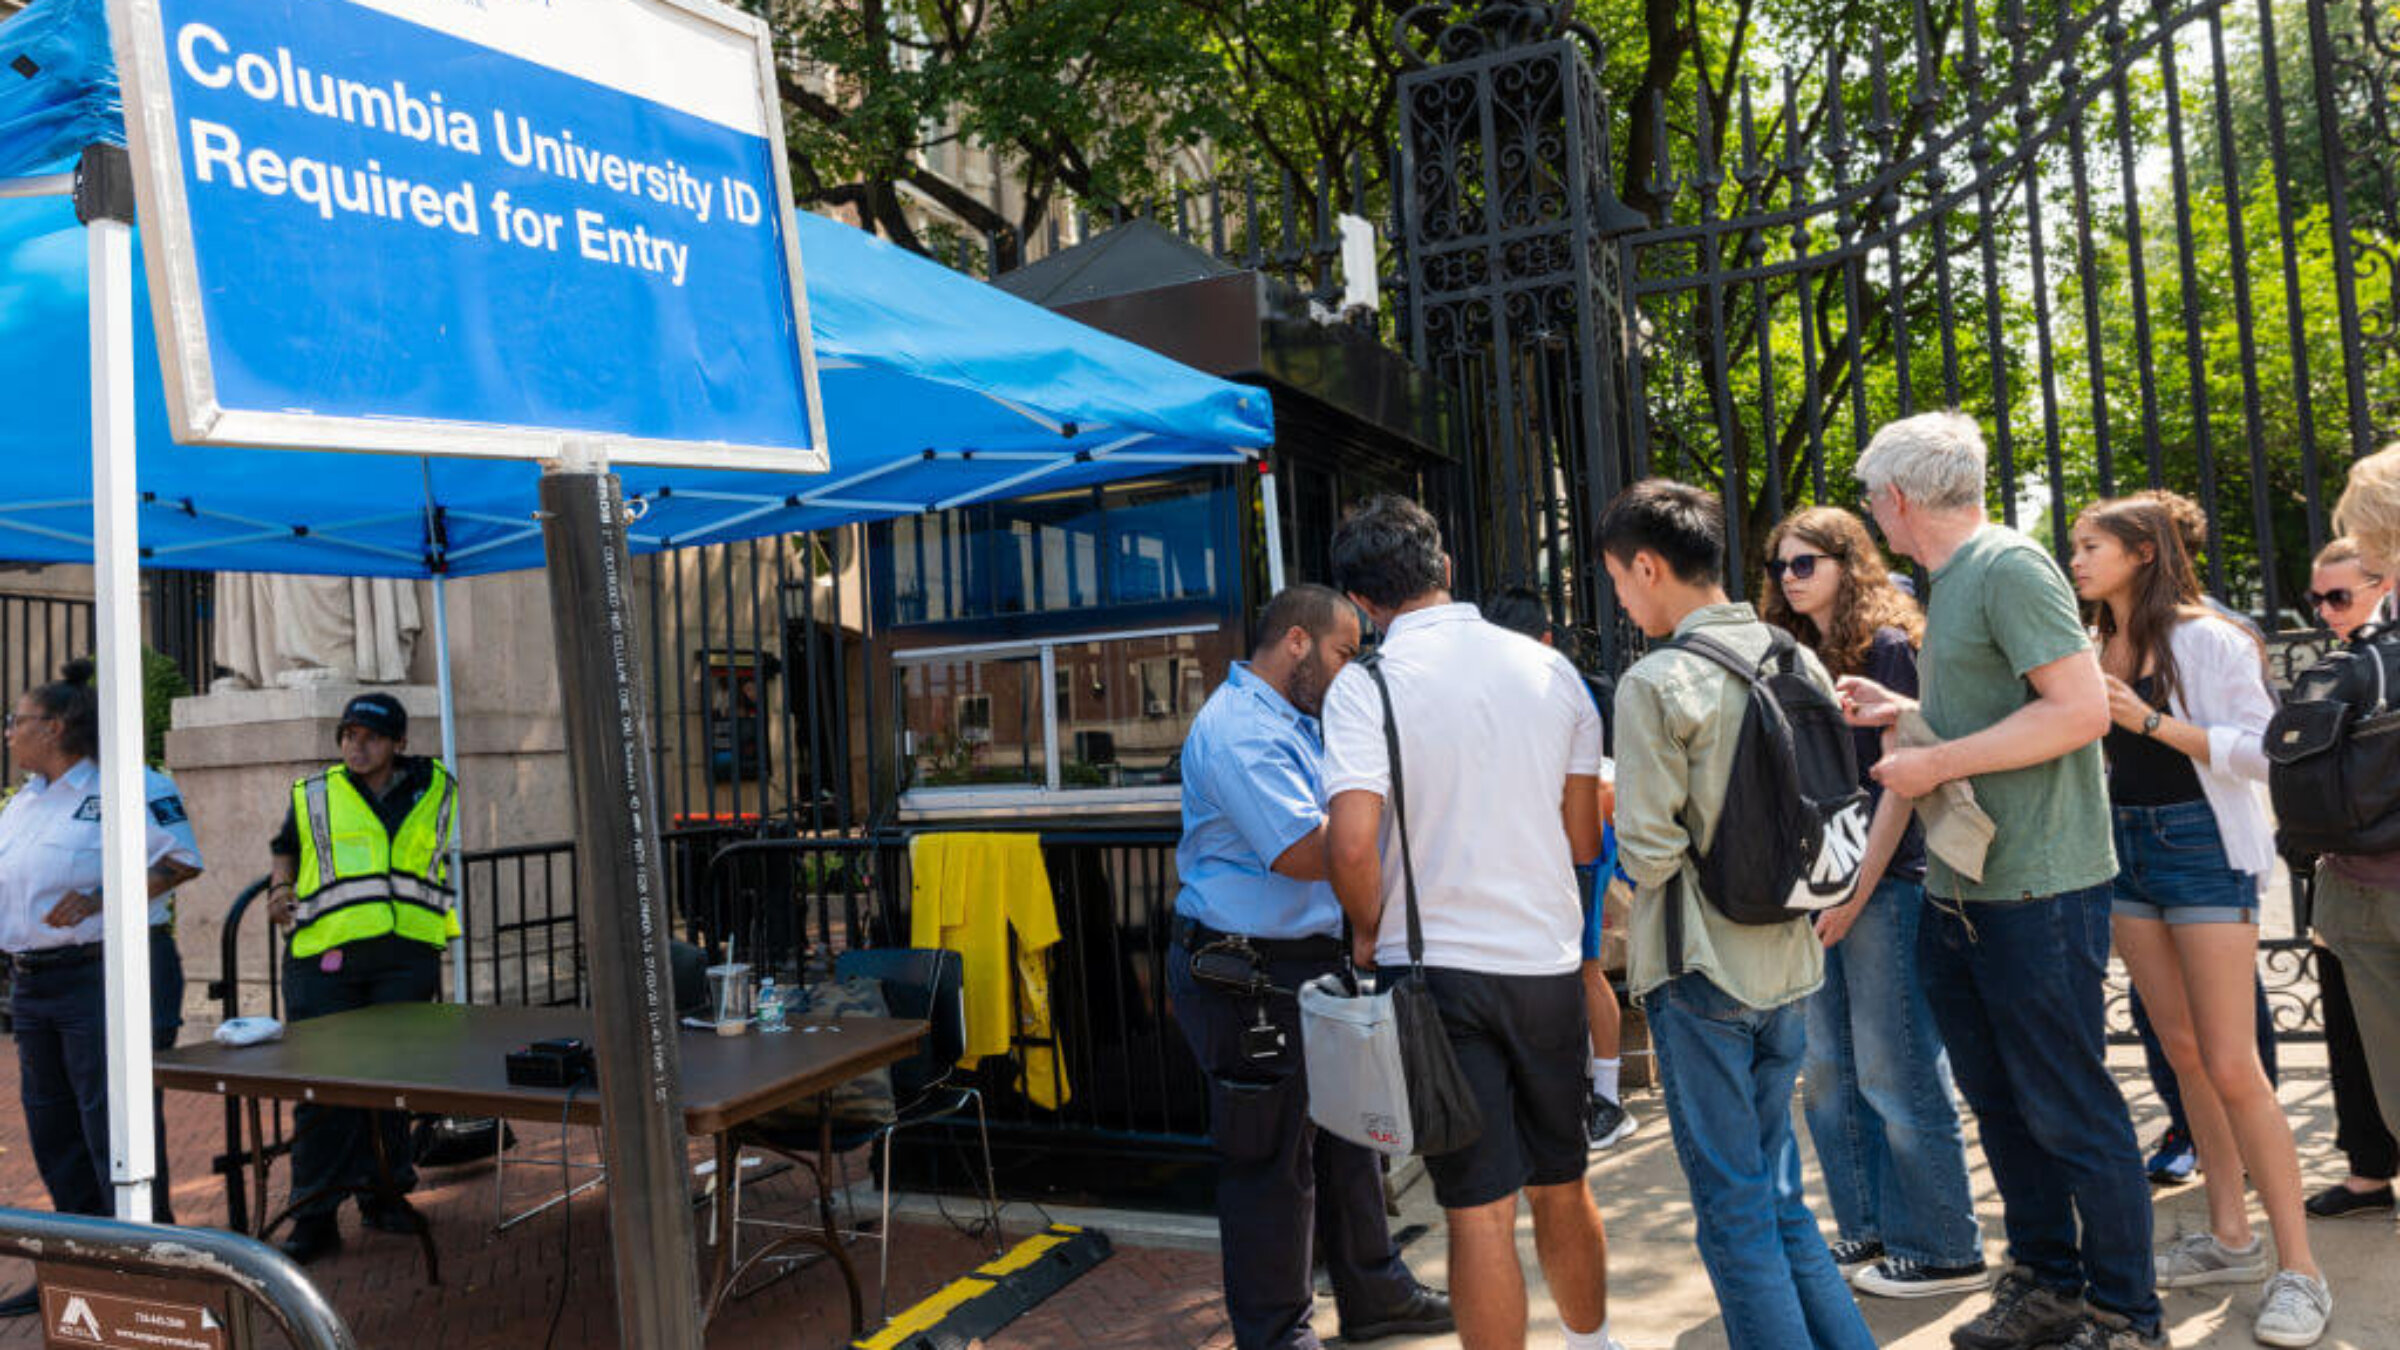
[(1357, 1085)]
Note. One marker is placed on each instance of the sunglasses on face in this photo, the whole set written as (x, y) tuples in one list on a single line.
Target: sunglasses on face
[(2340, 597), (1800, 565)]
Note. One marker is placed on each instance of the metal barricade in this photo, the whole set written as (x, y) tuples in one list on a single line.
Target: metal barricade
[(202, 1255)]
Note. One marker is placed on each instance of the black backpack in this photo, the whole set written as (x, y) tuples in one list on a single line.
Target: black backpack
[(2333, 751), (1793, 830)]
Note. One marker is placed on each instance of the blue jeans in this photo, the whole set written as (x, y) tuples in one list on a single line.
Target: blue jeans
[(1875, 1088), (1728, 1071), (2016, 990)]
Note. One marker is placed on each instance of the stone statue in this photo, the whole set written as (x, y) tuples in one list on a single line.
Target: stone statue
[(292, 631)]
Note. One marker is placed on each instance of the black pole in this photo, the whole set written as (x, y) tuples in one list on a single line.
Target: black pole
[(603, 693)]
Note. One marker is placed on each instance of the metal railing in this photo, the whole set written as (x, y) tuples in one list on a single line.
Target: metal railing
[(1134, 1090), (207, 1255)]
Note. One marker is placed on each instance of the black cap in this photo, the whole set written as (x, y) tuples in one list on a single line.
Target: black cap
[(379, 713)]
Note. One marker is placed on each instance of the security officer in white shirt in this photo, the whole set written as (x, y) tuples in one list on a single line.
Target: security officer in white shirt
[(50, 927)]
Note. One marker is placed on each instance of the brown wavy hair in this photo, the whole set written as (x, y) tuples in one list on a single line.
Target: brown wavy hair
[(1866, 603), (2166, 588)]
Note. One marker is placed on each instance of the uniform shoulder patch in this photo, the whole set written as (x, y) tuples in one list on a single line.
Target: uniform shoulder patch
[(90, 810), (168, 810)]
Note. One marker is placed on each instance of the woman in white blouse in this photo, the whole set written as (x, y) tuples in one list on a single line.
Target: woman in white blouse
[(2189, 701)]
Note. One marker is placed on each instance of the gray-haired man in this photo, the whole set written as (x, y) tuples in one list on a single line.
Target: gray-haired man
[(2013, 962)]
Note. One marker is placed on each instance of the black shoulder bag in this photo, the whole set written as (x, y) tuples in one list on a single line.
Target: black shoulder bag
[(1441, 1107)]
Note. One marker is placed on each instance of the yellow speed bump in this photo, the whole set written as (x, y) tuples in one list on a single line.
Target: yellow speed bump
[(1001, 1290)]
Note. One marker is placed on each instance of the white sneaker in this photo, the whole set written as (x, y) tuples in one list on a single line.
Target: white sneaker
[(2197, 1259), (2295, 1310)]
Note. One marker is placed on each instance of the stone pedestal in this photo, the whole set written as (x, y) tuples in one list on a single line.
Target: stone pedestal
[(236, 754)]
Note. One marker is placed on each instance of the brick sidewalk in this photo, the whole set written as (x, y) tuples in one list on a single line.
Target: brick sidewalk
[(500, 1290)]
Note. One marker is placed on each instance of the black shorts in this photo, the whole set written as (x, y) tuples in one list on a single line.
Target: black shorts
[(1522, 1042)]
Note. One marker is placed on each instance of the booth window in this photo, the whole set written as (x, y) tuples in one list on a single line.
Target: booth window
[(976, 733)]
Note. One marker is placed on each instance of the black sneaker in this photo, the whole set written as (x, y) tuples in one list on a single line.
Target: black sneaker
[(1850, 1253), (2022, 1316), (23, 1303), (1606, 1123), (1899, 1277), (2340, 1202)]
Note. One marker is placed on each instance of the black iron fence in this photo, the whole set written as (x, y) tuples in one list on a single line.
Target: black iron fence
[(1135, 1095), (2144, 243), (1133, 1122), (38, 634), (756, 651)]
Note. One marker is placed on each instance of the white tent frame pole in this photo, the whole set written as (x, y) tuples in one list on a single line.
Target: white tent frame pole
[(132, 1129), (458, 828), (447, 693), (43, 185)]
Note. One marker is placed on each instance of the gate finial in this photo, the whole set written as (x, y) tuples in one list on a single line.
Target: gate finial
[(1455, 30)]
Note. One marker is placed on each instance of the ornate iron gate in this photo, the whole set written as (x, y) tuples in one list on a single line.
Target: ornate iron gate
[(1511, 297), (2146, 243)]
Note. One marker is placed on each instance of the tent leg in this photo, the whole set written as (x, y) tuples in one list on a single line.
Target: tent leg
[(458, 843), (1273, 517), (132, 1130)]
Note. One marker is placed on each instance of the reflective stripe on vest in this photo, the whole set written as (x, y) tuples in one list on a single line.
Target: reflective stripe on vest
[(356, 881)]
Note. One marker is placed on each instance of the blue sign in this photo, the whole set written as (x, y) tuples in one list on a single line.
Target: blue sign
[(474, 226)]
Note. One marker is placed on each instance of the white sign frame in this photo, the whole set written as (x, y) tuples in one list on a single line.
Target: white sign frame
[(138, 29)]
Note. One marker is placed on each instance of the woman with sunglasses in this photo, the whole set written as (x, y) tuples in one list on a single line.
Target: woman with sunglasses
[(2343, 590), (1876, 1084), (2189, 701), (2345, 595)]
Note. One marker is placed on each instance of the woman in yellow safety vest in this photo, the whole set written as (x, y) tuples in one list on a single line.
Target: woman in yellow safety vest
[(361, 875)]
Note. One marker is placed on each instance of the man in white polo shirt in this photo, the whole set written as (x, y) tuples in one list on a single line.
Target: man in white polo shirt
[(1499, 767)]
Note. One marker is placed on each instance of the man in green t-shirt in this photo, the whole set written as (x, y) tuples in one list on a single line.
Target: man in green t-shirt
[(2014, 961)]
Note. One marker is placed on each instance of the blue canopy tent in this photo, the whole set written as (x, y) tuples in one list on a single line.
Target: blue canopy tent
[(939, 391)]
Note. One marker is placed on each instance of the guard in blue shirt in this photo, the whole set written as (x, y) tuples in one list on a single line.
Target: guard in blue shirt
[(1254, 921)]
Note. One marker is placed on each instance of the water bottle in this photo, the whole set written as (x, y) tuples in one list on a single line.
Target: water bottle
[(770, 1007)]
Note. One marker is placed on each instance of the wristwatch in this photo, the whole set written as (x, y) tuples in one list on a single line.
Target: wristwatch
[(2150, 723)]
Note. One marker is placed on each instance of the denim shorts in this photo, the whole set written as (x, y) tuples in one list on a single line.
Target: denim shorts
[(2172, 868), (1593, 883)]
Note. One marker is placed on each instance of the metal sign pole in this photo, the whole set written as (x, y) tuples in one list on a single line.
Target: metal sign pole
[(604, 698), (117, 589), (1270, 511)]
